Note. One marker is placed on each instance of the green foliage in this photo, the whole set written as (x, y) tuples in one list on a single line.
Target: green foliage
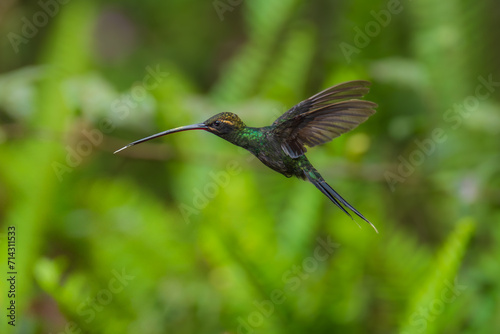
[(441, 286), (188, 234)]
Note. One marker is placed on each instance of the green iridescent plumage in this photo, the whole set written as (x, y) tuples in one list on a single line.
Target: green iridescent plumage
[(281, 146)]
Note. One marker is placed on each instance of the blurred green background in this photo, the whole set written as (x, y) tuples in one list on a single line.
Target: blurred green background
[(189, 234)]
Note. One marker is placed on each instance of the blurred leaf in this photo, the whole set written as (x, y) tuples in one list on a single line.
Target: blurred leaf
[(441, 286)]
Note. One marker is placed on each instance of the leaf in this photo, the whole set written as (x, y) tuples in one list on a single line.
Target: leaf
[(441, 286)]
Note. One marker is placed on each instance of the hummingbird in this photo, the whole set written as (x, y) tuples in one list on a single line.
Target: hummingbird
[(282, 145)]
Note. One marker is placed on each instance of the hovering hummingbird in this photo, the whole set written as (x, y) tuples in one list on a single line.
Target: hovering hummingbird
[(281, 146)]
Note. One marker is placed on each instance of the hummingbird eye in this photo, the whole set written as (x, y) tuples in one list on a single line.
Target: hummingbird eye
[(217, 123)]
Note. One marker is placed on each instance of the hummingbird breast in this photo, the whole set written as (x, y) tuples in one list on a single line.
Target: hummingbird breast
[(262, 143), (270, 153)]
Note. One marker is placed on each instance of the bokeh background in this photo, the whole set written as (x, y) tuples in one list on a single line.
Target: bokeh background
[(189, 234)]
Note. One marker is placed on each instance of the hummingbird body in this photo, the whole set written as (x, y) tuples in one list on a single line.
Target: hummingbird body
[(281, 146), (262, 143)]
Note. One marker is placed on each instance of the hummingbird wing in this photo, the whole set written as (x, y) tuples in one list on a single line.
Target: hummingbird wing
[(322, 117)]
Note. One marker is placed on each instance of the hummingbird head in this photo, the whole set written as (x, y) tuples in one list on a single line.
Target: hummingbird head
[(224, 123)]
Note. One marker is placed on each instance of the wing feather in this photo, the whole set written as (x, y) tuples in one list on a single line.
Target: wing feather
[(324, 116)]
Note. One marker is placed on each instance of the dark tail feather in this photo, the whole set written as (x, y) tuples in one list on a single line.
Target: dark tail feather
[(315, 178)]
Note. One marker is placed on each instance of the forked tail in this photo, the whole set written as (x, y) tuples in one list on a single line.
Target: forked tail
[(315, 178)]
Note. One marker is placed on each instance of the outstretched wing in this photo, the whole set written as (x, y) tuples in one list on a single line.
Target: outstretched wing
[(322, 117)]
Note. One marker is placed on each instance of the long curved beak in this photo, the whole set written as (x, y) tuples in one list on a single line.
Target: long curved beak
[(200, 126)]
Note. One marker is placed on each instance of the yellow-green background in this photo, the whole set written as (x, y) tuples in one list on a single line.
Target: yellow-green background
[(109, 214)]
